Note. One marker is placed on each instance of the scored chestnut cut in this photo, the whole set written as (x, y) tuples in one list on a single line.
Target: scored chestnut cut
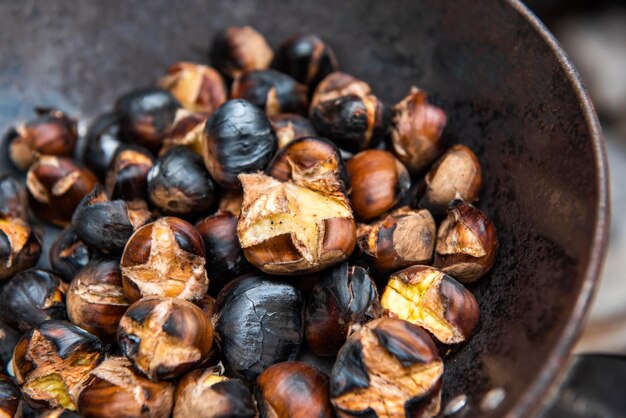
[(127, 177), (456, 175), (165, 258), (52, 362), (13, 198), (56, 186), (345, 298), (197, 87), (103, 138), (272, 91), (236, 50), (401, 239), (293, 389), (52, 132), (68, 254), (238, 139), (30, 298), (95, 299), (187, 131), (433, 300), (258, 323), (10, 398), (390, 368), (20, 246), (289, 126), (338, 84), (467, 243), (286, 228), (116, 389), (379, 182), (165, 337)]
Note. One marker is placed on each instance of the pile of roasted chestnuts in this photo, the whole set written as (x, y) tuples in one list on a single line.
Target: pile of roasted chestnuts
[(224, 220)]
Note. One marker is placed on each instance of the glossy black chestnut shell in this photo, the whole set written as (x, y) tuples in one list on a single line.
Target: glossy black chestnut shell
[(102, 140)]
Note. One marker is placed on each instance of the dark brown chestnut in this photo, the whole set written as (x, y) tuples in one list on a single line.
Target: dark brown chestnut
[(272, 91), (165, 337), (102, 141), (338, 84), (187, 131), (165, 258), (236, 50), (390, 368), (127, 176), (13, 198), (197, 87), (293, 389), (68, 254), (20, 246), (433, 300), (10, 398), (289, 126)]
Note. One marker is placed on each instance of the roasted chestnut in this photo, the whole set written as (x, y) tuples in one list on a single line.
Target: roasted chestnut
[(68, 254), (10, 398), (272, 91), (9, 337), (338, 84), (30, 298), (56, 186), (127, 177), (102, 140), (95, 299), (236, 50), (293, 389), (20, 246), (146, 115), (230, 201), (379, 182), (13, 198), (456, 175), (258, 323), (403, 238), (52, 132), (345, 297), (433, 300), (224, 257), (115, 389), (179, 183), (305, 57), (390, 368), (59, 413), (165, 337), (286, 228), (187, 131), (289, 126), (52, 361), (238, 139), (165, 258), (208, 394), (197, 87), (467, 243), (108, 224)]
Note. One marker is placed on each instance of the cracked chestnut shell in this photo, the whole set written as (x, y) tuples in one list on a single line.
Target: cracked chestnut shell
[(52, 361), (179, 183), (20, 246), (95, 299), (51, 132), (230, 201), (379, 182), (10, 398), (197, 87), (127, 176), (403, 238), (390, 368), (238, 138), (433, 300), (343, 300), (56, 186), (13, 198), (115, 388), (68, 254), (467, 243), (293, 389), (258, 323), (165, 337), (236, 50), (103, 138), (30, 298), (187, 131), (288, 228), (289, 127), (165, 258), (271, 91), (338, 84)]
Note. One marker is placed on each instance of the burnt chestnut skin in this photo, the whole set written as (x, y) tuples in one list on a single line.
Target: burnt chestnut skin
[(68, 254), (13, 198), (272, 91), (235, 50), (20, 246), (127, 176), (102, 140), (289, 127), (10, 397)]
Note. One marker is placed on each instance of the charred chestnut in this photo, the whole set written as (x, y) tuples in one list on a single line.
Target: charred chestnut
[(95, 299), (390, 368), (165, 337), (238, 139), (102, 141), (236, 50), (289, 126), (467, 243), (187, 131), (379, 182), (197, 87), (457, 175), (336, 85), (20, 246), (13, 198), (272, 91), (56, 186), (68, 254), (127, 177), (165, 258), (286, 228), (258, 323), (276, 397), (10, 398), (179, 183), (345, 297), (433, 300), (52, 362), (114, 388)]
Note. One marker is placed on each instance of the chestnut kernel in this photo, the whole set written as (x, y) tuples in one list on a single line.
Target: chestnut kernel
[(20, 246), (289, 127), (390, 368), (127, 177), (10, 398), (272, 91), (197, 87), (236, 50), (68, 254), (165, 258), (187, 131), (103, 138), (338, 84), (433, 300), (13, 198), (165, 337)]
